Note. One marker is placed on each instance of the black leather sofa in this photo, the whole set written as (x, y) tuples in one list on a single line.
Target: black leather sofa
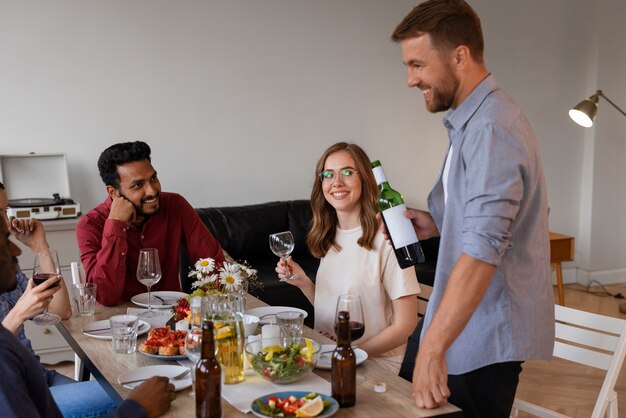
[(243, 232)]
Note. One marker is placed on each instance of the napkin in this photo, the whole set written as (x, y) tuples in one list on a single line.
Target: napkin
[(160, 318), (242, 394)]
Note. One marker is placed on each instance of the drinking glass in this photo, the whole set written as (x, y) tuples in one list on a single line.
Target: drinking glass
[(193, 351), (149, 273), (46, 267), (84, 295), (281, 244), (291, 324), (124, 333), (352, 304)]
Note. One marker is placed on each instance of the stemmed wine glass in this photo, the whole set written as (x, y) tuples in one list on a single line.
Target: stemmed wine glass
[(352, 304), (193, 351), (46, 267), (281, 244), (149, 273)]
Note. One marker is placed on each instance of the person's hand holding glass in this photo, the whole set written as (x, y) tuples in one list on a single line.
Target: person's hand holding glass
[(47, 268), (149, 273), (282, 244)]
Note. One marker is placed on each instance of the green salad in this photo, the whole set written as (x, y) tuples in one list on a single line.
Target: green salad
[(284, 364)]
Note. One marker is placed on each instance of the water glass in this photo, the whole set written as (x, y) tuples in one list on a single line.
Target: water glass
[(84, 295), (124, 333), (290, 323)]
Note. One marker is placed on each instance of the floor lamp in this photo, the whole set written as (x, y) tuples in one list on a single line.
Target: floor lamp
[(584, 114)]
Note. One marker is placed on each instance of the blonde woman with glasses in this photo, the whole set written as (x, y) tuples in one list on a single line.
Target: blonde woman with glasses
[(355, 258)]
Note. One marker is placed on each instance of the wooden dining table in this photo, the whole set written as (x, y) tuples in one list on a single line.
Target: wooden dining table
[(99, 360)]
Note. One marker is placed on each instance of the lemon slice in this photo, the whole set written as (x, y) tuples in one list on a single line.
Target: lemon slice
[(308, 350), (270, 350), (312, 408), (224, 332)]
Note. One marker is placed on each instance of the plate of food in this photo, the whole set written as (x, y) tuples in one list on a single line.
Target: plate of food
[(294, 403), (179, 376), (164, 343), (267, 314), (158, 300), (102, 329), (327, 353)]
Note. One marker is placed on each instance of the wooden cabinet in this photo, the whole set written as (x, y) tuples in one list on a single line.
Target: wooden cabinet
[(46, 340)]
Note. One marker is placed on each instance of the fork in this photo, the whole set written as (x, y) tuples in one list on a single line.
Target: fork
[(163, 301), (179, 376)]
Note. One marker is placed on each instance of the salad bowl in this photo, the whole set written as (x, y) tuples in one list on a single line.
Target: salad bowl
[(281, 360)]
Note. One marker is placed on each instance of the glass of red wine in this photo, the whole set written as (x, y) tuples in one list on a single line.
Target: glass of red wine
[(46, 267), (352, 304)]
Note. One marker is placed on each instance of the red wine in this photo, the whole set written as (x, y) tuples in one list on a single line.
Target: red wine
[(40, 278), (357, 329)]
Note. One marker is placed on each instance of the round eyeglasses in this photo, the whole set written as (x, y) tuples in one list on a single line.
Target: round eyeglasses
[(348, 175)]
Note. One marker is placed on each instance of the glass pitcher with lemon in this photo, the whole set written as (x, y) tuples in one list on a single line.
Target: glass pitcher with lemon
[(226, 312)]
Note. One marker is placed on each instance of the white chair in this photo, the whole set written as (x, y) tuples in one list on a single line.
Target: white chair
[(594, 340)]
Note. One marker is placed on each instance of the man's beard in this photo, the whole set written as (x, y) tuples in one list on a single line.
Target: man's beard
[(443, 95), (138, 208)]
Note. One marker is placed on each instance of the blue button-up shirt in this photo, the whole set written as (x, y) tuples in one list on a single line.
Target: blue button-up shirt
[(496, 211)]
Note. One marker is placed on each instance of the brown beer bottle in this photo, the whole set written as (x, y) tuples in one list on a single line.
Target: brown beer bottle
[(343, 364), (208, 377)]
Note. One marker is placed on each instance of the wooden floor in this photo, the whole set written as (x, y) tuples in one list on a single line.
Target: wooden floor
[(568, 388)]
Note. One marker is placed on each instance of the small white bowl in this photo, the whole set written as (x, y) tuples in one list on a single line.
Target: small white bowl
[(250, 322)]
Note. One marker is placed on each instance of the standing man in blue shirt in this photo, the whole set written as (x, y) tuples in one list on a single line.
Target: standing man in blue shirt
[(492, 306)]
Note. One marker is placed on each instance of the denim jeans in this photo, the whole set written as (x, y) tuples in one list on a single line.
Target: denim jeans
[(80, 399)]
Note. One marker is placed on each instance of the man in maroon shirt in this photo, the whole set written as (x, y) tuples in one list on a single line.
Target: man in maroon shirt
[(136, 215)]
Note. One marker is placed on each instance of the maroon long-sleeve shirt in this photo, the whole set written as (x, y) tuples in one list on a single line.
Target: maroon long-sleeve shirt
[(109, 249)]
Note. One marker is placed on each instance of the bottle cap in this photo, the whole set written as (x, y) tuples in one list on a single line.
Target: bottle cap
[(380, 387)]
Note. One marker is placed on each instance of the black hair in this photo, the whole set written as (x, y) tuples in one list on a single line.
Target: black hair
[(118, 154)]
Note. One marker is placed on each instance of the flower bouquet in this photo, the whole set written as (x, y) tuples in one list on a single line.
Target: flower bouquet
[(230, 277)]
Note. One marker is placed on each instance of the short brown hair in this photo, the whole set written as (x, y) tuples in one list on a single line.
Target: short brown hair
[(321, 237), (449, 23)]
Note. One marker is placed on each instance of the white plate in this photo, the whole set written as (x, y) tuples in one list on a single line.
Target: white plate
[(267, 314), (91, 330), (176, 357), (160, 370), (171, 299), (327, 350)]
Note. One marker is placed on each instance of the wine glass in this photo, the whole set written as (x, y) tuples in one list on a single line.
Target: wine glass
[(352, 304), (149, 273), (281, 244), (46, 267), (193, 351)]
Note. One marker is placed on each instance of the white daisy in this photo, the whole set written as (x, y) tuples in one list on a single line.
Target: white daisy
[(205, 265), (203, 281), (230, 276)]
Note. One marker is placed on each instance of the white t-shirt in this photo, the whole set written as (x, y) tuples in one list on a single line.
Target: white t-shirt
[(374, 275)]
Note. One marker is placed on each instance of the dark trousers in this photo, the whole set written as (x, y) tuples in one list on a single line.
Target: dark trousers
[(487, 392)]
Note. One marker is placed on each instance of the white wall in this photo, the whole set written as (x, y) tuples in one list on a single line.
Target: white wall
[(238, 98)]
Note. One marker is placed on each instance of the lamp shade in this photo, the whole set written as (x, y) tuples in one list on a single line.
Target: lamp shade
[(584, 113)]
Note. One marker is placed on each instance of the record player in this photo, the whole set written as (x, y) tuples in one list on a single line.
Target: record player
[(31, 175)]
